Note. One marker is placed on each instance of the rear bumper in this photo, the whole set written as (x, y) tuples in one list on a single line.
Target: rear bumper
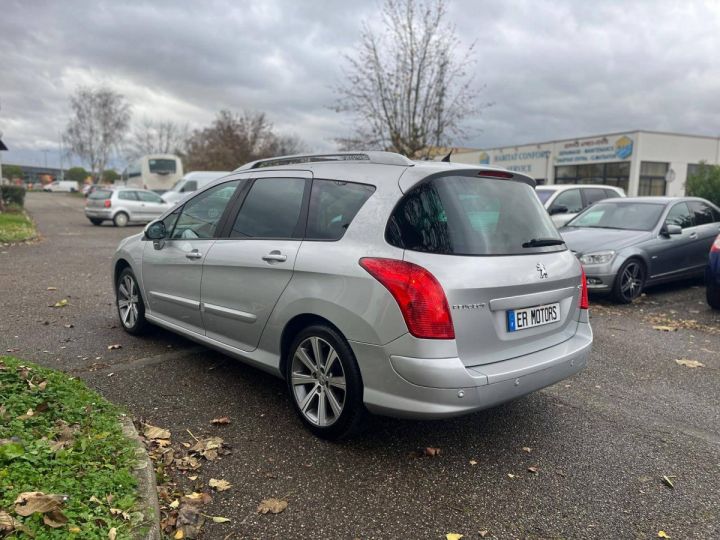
[(424, 388), (98, 213)]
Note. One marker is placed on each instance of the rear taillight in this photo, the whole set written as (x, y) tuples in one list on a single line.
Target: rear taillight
[(421, 298), (584, 301), (715, 248), (107, 203)]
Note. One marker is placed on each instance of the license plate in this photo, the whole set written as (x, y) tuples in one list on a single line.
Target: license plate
[(520, 319)]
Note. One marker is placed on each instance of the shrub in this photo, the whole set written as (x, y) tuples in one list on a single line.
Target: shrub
[(705, 183), (13, 195)]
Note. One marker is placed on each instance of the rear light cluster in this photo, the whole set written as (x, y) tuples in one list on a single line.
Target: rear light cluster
[(584, 301), (715, 248), (107, 203), (421, 298), (496, 174)]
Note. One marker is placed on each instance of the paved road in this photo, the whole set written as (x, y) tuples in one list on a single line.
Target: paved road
[(601, 441)]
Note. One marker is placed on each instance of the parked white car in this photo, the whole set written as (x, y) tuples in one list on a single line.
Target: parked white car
[(191, 182), (123, 206), (564, 201), (67, 186)]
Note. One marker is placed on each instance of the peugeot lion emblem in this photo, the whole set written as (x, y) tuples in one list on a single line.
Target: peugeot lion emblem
[(540, 267)]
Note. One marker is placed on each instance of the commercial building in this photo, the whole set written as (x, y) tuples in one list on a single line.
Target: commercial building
[(641, 162)]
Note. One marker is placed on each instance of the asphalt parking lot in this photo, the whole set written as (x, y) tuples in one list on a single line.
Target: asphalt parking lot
[(600, 442)]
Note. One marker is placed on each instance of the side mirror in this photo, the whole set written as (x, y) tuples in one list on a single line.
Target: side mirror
[(156, 231), (558, 209), (670, 229)]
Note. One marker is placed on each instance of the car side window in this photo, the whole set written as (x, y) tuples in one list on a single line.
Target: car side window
[(146, 196), (593, 195), (127, 196), (190, 185), (201, 215), (333, 205), (570, 199), (271, 209), (611, 194), (703, 213), (679, 215)]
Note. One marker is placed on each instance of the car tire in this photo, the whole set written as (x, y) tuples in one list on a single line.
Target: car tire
[(629, 281), (96, 221), (328, 398), (129, 303), (121, 219), (712, 293)]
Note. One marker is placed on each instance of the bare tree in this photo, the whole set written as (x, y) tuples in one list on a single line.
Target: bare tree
[(408, 85), (100, 120), (234, 139), (150, 137)]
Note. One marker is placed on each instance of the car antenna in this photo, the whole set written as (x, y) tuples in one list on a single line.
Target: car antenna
[(446, 159)]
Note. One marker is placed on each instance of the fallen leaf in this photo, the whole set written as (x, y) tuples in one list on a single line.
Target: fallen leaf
[(272, 505), (52, 288), (219, 485), (666, 480), (193, 478), (483, 534), (8, 523), (154, 432), (29, 414), (510, 475), (431, 452), (114, 346), (689, 363), (55, 519), (527, 449), (664, 328), (473, 462), (179, 534), (533, 470), (663, 534), (219, 519), (42, 386), (220, 421), (70, 326), (112, 534), (74, 529), (60, 303), (175, 503), (29, 502), (453, 536)]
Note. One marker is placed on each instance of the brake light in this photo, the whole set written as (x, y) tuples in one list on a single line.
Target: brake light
[(715, 248), (420, 297), (584, 301), (496, 174), (107, 203)]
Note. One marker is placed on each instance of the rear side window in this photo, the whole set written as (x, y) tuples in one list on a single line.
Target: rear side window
[(593, 195), (464, 215), (611, 194), (544, 194), (100, 194), (147, 196), (271, 209), (127, 196), (190, 185), (570, 200), (333, 206), (703, 213)]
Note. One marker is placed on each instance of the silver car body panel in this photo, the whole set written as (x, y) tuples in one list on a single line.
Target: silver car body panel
[(233, 300), (136, 210)]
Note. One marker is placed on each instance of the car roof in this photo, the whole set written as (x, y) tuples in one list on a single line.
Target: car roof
[(561, 187), (652, 199), (202, 175)]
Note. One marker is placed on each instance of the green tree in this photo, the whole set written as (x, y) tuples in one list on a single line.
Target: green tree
[(11, 172), (705, 183), (109, 176), (78, 174)]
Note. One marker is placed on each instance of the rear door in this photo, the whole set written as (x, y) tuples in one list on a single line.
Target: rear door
[(246, 271), (172, 270), (151, 205), (674, 254), (129, 203), (475, 236)]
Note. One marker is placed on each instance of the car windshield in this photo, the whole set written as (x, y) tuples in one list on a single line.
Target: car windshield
[(627, 216), (544, 194), (465, 215), (162, 166)]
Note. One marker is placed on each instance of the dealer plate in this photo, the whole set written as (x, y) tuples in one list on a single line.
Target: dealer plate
[(521, 319)]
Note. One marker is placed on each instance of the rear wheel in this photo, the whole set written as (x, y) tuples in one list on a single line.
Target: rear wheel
[(324, 383), (629, 281), (121, 219), (130, 305), (712, 293), (96, 221)]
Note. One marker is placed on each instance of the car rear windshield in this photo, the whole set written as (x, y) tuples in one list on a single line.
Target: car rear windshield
[(100, 194), (544, 194), (466, 215), (626, 216)]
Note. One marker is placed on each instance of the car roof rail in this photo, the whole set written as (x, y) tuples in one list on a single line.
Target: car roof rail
[(377, 158)]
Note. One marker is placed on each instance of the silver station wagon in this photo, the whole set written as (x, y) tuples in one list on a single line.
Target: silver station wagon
[(368, 282)]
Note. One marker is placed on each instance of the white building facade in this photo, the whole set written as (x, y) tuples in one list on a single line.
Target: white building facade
[(640, 162)]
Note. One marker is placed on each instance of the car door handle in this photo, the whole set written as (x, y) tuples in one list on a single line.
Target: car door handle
[(693, 236), (194, 254), (274, 256)]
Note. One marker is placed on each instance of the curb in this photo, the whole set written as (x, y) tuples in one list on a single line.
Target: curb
[(144, 472)]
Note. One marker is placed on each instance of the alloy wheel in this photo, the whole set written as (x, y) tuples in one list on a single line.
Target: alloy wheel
[(128, 300), (318, 381), (631, 281)]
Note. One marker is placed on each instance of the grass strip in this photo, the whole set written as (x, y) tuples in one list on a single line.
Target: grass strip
[(16, 227)]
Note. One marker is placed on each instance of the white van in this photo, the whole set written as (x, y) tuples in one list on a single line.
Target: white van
[(67, 186), (191, 182), (156, 172)]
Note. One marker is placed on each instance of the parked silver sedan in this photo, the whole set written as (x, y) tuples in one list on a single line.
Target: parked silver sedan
[(368, 282), (124, 205), (626, 244)]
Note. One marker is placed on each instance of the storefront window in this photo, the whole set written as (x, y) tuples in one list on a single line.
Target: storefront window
[(652, 178), (612, 174)]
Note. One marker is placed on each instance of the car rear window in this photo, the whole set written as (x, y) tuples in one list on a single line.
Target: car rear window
[(466, 215), (100, 194), (544, 194), (333, 205)]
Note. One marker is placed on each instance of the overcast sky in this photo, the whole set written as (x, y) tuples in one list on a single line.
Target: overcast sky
[(553, 69)]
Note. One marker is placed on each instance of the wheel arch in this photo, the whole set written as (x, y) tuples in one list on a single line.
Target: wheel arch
[(296, 325)]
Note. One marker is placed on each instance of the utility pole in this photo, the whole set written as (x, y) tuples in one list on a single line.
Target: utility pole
[(62, 171)]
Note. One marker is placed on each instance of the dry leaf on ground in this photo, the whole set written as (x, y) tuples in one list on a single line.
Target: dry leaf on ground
[(431, 452), (112, 534), (689, 363), (663, 534), (483, 534), (114, 346), (154, 432), (533, 470), (55, 519), (9, 524), (61, 303), (272, 506), (29, 502), (527, 449), (220, 485), (220, 421), (668, 482), (453, 536), (473, 462), (664, 328), (220, 519)]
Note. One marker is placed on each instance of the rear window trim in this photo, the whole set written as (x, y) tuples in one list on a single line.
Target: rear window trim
[(470, 174)]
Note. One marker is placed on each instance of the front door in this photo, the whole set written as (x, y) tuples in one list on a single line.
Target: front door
[(673, 254), (246, 271), (172, 270)]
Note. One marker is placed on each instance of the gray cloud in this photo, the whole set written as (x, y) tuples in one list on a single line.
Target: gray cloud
[(552, 69)]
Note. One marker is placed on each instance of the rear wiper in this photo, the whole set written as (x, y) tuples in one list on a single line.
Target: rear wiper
[(542, 242)]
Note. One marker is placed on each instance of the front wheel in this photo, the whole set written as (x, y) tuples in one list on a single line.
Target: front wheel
[(130, 305), (324, 383), (712, 293), (629, 281)]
